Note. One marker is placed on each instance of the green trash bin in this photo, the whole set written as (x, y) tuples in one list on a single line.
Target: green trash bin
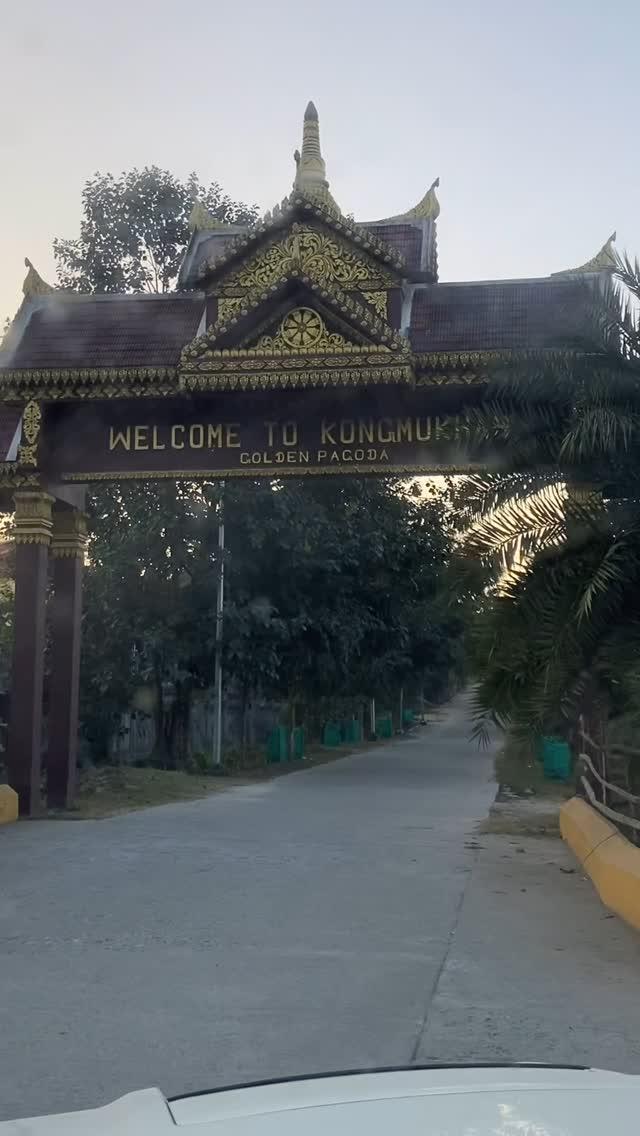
[(556, 759), (331, 734), (352, 731), (278, 745), (384, 726), (298, 743), (408, 717)]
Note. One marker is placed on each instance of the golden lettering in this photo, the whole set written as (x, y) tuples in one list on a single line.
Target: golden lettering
[(120, 438), (140, 439), (383, 456), (335, 456), (232, 436), (214, 436), (196, 436), (289, 434), (270, 428), (365, 431), (321, 455), (347, 431), (155, 444), (347, 456), (303, 457), (245, 459), (423, 435), (326, 437), (404, 431), (385, 433), (291, 457), (175, 444), (359, 455), (280, 457)]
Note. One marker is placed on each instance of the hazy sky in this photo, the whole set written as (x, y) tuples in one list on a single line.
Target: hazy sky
[(528, 112)]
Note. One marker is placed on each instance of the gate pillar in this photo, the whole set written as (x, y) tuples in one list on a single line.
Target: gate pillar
[(68, 545), (33, 526)]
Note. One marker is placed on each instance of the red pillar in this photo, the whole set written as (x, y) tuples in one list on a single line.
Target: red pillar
[(68, 546), (32, 536)]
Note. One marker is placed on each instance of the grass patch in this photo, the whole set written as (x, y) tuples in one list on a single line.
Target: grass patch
[(109, 790), (519, 773)]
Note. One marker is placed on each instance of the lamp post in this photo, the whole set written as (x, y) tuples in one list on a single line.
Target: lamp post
[(217, 753)]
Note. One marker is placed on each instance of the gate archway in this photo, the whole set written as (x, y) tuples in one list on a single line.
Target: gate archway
[(309, 344)]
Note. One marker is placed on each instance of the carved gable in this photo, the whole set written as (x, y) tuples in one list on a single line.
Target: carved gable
[(309, 251)]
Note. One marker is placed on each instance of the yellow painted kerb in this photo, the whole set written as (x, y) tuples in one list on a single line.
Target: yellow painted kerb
[(8, 804), (606, 856)]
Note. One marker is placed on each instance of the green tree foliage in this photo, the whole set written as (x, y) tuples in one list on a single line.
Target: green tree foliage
[(135, 228), (557, 532), (333, 592)]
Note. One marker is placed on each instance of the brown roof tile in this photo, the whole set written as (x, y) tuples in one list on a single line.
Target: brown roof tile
[(405, 239), (497, 314), (109, 331)]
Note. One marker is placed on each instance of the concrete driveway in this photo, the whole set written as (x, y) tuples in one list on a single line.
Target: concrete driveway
[(297, 926)]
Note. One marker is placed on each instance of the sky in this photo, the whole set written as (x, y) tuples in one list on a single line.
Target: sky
[(527, 112)]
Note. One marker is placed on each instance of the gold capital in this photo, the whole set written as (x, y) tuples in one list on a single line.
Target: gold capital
[(69, 533), (32, 520)]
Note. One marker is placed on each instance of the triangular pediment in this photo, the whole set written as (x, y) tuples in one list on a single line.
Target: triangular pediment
[(244, 323), (299, 327), (303, 236)]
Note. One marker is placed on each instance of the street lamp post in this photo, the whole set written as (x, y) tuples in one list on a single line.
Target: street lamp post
[(217, 754)]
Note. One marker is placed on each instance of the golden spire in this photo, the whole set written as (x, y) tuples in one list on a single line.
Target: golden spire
[(201, 218), (311, 173), (33, 284), (604, 261)]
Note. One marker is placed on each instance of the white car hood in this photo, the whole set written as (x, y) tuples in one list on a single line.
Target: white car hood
[(470, 1101)]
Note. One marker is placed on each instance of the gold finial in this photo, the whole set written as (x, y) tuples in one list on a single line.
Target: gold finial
[(428, 209), (33, 284), (311, 173), (201, 218), (604, 261)]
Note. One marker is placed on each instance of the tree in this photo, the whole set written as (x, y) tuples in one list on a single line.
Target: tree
[(559, 531), (333, 595), (135, 228)]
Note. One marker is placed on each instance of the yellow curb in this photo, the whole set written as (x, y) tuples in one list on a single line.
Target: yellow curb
[(583, 828), (8, 804), (612, 863)]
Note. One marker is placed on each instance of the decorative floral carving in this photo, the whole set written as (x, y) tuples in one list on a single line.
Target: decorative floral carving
[(378, 301), (228, 306), (311, 251)]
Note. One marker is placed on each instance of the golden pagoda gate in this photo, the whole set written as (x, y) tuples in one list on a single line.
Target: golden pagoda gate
[(309, 344)]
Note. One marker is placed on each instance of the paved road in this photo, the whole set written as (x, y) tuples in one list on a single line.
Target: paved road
[(340, 916)]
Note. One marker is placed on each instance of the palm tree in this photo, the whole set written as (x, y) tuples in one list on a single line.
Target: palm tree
[(556, 525)]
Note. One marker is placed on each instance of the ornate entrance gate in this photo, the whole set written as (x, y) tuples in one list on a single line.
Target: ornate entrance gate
[(308, 344)]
